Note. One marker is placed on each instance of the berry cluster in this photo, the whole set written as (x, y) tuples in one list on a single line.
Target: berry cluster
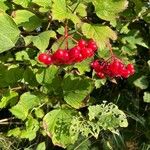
[(78, 53), (112, 69)]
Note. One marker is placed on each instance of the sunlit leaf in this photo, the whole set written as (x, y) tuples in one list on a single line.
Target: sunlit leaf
[(99, 33), (9, 33)]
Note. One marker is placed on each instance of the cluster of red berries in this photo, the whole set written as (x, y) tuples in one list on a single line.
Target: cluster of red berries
[(112, 69), (82, 50)]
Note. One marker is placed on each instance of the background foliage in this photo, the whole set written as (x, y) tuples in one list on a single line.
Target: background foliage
[(68, 107)]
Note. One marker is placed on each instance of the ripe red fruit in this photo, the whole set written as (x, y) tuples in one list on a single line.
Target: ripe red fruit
[(96, 66), (60, 56), (82, 43), (95, 63), (131, 69), (65, 58), (114, 68), (125, 73), (79, 58), (91, 44), (100, 75), (42, 57), (74, 53), (48, 61), (86, 52)]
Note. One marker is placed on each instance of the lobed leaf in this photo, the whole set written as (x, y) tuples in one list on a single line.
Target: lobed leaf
[(61, 12), (100, 34), (109, 9)]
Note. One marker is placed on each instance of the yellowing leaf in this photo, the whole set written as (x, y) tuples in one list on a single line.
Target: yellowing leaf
[(101, 34), (57, 124)]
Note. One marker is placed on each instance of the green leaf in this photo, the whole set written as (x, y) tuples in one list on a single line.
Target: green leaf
[(42, 40), (23, 3), (3, 72), (57, 124), (28, 20), (30, 77), (76, 89), (81, 144), (109, 9), (84, 66), (99, 83), (19, 111), (32, 126), (80, 9), (14, 132), (9, 33), (61, 12), (43, 3), (22, 56), (8, 98), (101, 117), (101, 34), (47, 75), (39, 113), (27, 102), (4, 5), (108, 115), (141, 82), (41, 146), (14, 74), (146, 97)]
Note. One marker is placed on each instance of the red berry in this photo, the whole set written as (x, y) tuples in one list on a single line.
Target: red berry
[(124, 73), (42, 57), (74, 53), (86, 52), (80, 58), (96, 66), (131, 69), (65, 58), (100, 75), (95, 63), (114, 68), (48, 61), (92, 45), (60, 56), (82, 43)]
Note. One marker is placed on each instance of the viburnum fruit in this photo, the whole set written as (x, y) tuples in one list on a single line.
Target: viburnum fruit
[(82, 43), (60, 56), (113, 68), (48, 61), (81, 51), (45, 58), (91, 44), (42, 57)]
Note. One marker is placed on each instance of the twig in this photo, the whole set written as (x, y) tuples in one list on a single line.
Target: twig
[(6, 119)]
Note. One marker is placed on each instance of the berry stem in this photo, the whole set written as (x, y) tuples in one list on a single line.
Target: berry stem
[(66, 34), (110, 49), (72, 39)]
